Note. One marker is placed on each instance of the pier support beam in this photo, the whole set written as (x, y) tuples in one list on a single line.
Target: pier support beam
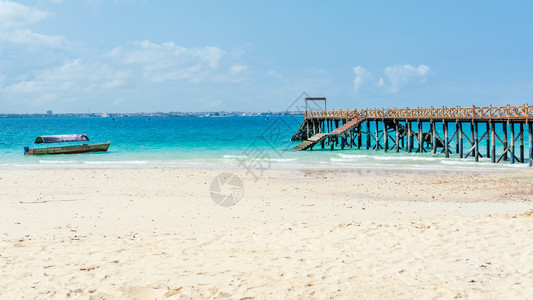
[(420, 140), (397, 141), (434, 138), (367, 135), (359, 137), (512, 143), (476, 142), (386, 137), (505, 146), (460, 138), (473, 142), (493, 142), (456, 136), (446, 141), (530, 129), (488, 139), (409, 138), (522, 143), (376, 123)]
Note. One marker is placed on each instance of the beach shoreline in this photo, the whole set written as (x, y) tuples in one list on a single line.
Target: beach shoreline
[(297, 233)]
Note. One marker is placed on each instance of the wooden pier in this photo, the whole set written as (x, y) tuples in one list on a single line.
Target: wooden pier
[(437, 130)]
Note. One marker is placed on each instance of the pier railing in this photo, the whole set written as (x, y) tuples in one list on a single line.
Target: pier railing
[(524, 112)]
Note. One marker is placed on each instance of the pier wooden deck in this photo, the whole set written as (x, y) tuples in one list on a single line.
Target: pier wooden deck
[(310, 142), (320, 137), (393, 130)]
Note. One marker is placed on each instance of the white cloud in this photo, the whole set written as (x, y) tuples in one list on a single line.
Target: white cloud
[(15, 15), (31, 38), (272, 74), (396, 78), (362, 77), (170, 62), (136, 68), (237, 69), (401, 76), (75, 76)]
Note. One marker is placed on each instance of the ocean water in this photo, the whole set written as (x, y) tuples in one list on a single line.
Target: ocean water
[(254, 143)]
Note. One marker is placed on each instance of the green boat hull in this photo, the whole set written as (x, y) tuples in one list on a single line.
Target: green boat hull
[(70, 149)]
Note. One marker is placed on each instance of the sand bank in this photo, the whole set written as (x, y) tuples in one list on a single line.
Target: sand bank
[(156, 233)]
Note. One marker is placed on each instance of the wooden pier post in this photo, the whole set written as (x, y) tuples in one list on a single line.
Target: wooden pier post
[(367, 134), (446, 141), (493, 141), (456, 136), (512, 143), (522, 143), (476, 142), (473, 149), (460, 138), (505, 147), (488, 140), (397, 141), (409, 140), (420, 140), (376, 137), (386, 137), (530, 129), (433, 138), (359, 138)]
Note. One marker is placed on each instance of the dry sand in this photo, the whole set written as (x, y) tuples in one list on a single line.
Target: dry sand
[(300, 234)]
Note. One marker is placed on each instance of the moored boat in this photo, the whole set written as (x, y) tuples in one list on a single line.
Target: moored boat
[(83, 148)]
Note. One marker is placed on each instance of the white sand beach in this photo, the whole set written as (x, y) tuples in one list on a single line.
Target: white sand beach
[(296, 234)]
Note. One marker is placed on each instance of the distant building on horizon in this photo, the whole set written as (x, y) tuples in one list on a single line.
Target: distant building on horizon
[(49, 113)]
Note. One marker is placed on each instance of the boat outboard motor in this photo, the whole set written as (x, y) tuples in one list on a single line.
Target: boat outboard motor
[(26, 149)]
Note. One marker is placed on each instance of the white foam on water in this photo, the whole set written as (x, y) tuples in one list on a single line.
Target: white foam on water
[(282, 159), (235, 156), (59, 162), (117, 162)]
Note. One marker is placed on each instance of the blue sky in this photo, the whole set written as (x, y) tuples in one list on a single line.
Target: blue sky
[(133, 56)]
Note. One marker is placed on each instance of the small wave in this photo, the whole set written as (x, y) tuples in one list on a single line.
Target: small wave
[(125, 162), (282, 159), (235, 156), (353, 155), (58, 162), (334, 159), (405, 158)]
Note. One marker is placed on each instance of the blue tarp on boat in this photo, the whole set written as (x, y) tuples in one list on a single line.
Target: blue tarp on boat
[(61, 138)]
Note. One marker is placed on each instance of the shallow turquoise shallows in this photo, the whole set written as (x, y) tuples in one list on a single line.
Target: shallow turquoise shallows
[(255, 143)]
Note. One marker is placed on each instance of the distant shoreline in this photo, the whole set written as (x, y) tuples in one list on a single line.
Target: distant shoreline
[(157, 114)]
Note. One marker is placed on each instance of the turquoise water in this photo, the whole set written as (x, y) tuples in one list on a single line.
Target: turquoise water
[(256, 143)]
